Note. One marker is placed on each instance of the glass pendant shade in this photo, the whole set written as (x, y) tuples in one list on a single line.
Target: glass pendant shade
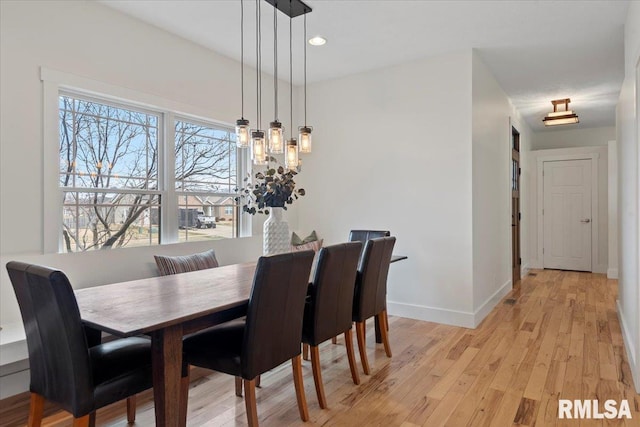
[(305, 139), (276, 138), (291, 155), (258, 148), (242, 133)]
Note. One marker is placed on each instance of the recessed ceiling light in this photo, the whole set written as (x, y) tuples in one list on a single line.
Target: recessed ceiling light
[(317, 41)]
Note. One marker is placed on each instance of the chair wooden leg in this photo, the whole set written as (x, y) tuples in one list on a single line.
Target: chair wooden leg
[(362, 346), (82, 421), (296, 362), (250, 402), (131, 409), (238, 386), (305, 351), (36, 409), (348, 340), (184, 397), (258, 380), (334, 340), (317, 376), (384, 332), (92, 419)]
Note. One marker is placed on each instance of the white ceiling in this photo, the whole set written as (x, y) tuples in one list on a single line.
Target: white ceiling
[(537, 50)]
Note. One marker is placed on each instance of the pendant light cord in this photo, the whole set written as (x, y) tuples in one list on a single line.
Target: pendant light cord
[(258, 66), (242, 57), (275, 58), (291, 71), (305, 69)]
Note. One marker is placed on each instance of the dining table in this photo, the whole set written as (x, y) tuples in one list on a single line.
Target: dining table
[(166, 308)]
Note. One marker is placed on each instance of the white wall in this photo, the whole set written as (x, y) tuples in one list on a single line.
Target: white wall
[(572, 137), (79, 38), (97, 43), (627, 117), (491, 148), (389, 154), (600, 259)]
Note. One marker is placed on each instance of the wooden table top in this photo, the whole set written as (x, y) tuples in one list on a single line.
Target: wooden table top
[(147, 305)]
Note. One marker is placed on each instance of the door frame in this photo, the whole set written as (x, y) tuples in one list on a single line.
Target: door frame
[(594, 201), (516, 241)]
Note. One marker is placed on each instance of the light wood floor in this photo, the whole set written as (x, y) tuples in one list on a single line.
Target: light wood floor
[(555, 336)]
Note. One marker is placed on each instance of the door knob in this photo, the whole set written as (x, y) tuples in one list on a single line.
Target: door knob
[(586, 221)]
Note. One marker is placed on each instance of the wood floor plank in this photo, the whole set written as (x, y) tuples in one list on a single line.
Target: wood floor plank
[(558, 337)]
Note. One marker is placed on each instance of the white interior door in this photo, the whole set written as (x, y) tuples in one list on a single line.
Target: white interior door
[(567, 215)]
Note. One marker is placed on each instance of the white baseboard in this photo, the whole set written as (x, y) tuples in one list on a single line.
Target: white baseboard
[(490, 303), (13, 384), (600, 269), (524, 270), (431, 314), (629, 347), (612, 273), (446, 316)]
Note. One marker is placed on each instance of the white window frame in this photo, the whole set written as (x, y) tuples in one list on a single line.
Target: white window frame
[(56, 83)]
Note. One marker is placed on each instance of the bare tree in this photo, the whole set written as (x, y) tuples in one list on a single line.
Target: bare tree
[(109, 158)]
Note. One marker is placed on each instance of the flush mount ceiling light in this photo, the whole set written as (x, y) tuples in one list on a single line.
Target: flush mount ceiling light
[(317, 41), (562, 117)]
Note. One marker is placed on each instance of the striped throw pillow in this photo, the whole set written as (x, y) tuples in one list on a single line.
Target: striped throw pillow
[(168, 265)]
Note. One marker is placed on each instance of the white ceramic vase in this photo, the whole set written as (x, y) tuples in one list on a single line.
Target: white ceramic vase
[(275, 233)]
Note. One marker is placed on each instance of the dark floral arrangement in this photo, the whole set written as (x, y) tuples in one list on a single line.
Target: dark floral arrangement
[(273, 188)]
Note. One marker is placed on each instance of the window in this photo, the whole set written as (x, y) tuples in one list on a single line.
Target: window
[(205, 176), (113, 188)]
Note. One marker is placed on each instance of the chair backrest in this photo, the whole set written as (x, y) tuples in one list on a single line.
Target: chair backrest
[(168, 265), (58, 353), (365, 235), (371, 282), (275, 312), (330, 309)]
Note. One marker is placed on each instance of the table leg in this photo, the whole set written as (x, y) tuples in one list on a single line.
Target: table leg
[(377, 329), (166, 346)]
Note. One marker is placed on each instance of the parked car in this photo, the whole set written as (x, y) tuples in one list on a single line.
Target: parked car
[(193, 218), (205, 221)]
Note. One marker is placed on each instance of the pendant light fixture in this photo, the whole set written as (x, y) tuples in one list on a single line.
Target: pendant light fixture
[(305, 131), (242, 124), (260, 150), (291, 153), (276, 131), (564, 117), (258, 145)]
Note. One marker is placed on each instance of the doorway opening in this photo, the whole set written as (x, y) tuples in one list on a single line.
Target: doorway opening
[(516, 259)]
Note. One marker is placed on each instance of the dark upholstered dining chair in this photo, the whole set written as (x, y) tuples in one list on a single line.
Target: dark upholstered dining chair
[(63, 368), (268, 337), (371, 293), (329, 306), (365, 235)]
